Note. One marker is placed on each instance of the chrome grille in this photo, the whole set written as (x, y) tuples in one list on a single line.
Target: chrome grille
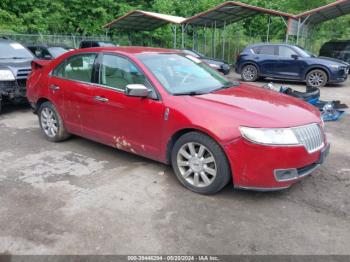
[(310, 136), (23, 73)]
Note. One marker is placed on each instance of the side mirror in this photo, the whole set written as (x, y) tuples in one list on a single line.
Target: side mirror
[(295, 57), (137, 90)]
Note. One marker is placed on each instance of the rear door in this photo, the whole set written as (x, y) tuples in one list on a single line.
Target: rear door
[(266, 58), (72, 90), (129, 123)]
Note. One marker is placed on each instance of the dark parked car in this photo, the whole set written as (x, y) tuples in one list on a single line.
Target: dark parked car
[(92, 43), (339, 49), (15, 65), (47, 52), (289, 62), (219, 65)]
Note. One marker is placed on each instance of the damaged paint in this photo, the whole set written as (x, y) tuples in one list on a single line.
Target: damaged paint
[(122, 144)]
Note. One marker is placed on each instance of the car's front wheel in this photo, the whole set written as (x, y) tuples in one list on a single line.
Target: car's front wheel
[(200, 164), (249, 73), (51, 123), (316, 78)]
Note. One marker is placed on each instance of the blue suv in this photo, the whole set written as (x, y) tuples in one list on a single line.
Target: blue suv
[(290, 62)]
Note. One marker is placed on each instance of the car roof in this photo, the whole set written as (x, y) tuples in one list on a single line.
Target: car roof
[(270, 44), (133, 50)]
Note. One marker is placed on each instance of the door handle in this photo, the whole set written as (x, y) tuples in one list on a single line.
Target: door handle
[(54, 87), (101, 99)]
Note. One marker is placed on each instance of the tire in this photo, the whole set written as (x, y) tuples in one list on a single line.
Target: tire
[(205, 170), (51, 123), (316, 78), (249, 73)]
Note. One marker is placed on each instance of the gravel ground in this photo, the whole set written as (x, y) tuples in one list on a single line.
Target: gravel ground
[(80, 197)]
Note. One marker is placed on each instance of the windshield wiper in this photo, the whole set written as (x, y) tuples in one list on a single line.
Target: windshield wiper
[(189, 93), (225, 86)]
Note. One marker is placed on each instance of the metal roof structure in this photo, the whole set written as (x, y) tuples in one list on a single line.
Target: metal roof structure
[(301, 24), (327, 12), (231, 12), (139, 20)]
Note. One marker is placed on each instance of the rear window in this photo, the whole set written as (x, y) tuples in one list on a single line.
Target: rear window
[(267, 50), (263, 50)]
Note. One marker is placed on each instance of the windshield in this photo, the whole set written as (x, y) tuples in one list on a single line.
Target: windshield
[(184, 74), (303, 52), (10, 50), (57, 51)]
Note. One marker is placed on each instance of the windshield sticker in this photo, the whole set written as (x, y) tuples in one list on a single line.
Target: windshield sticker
[(196, 60), (16, 46)]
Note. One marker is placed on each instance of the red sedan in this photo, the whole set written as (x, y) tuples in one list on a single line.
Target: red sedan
[(171, 107)]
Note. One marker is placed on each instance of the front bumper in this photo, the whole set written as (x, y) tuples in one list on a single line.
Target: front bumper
[(13, 89), (340, 75), (254, 166)]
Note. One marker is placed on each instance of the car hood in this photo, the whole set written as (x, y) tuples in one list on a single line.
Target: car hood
[(258, 107), (329, 60)]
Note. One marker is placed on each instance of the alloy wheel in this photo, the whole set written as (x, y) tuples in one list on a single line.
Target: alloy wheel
[(197, 164), (49, 122), (317, 79), (249, 73)]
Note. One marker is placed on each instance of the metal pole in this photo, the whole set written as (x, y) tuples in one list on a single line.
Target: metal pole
[(205, 40), (268, 29), (196, 38), (298, 31), (223, 41), (182, 36), (192, 37), (174, 29), (215, 39), (212, 40)]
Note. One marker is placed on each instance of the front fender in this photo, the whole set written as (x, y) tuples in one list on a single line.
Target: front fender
[(310, 68)]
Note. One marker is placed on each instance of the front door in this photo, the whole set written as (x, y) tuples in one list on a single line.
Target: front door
[(128, 123), (289, 64)]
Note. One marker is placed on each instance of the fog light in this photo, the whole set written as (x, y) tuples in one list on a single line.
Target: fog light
[(286, 174)]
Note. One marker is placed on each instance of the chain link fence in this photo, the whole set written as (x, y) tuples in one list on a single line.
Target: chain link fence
[(70, 41), (224, 46)]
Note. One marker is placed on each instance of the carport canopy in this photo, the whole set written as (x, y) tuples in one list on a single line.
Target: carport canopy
[(139, 20), (327, 12), (230, 12)]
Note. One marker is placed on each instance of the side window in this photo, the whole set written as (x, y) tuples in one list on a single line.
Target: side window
[(78, 67), (267, 50), (285, 51), (118, 72), (255, 50)]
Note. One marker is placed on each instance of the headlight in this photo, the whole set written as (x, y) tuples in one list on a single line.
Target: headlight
[(335, 66), (214, 65), (270, 136), (6, 75)]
